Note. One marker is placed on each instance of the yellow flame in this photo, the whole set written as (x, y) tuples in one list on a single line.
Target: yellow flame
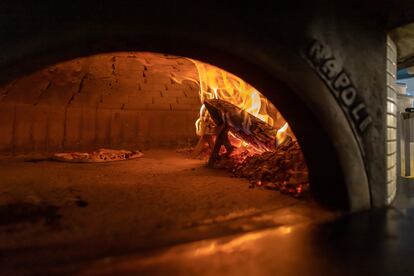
[(282, 133), (216, 83)]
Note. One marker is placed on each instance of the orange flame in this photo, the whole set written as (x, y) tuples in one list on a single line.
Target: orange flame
[(219, 84), (282, 133), (216, 83)]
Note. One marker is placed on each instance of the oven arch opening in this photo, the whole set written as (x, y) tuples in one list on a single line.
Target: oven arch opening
[(321, 153)]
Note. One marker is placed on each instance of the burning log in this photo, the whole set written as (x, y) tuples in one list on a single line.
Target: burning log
[(243, 125)]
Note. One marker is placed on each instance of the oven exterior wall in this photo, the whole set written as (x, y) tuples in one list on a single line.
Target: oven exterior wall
[(358, 46)]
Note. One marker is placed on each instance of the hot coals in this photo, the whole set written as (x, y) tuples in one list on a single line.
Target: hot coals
[(255, 150)]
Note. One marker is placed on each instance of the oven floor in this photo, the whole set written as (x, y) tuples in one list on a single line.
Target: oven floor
[(56, 215)]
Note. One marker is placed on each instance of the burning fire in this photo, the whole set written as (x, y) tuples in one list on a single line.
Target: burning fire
[(232, 112), (216, 83)]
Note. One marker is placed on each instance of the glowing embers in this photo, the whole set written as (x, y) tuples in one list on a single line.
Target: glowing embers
[(282, 169)]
